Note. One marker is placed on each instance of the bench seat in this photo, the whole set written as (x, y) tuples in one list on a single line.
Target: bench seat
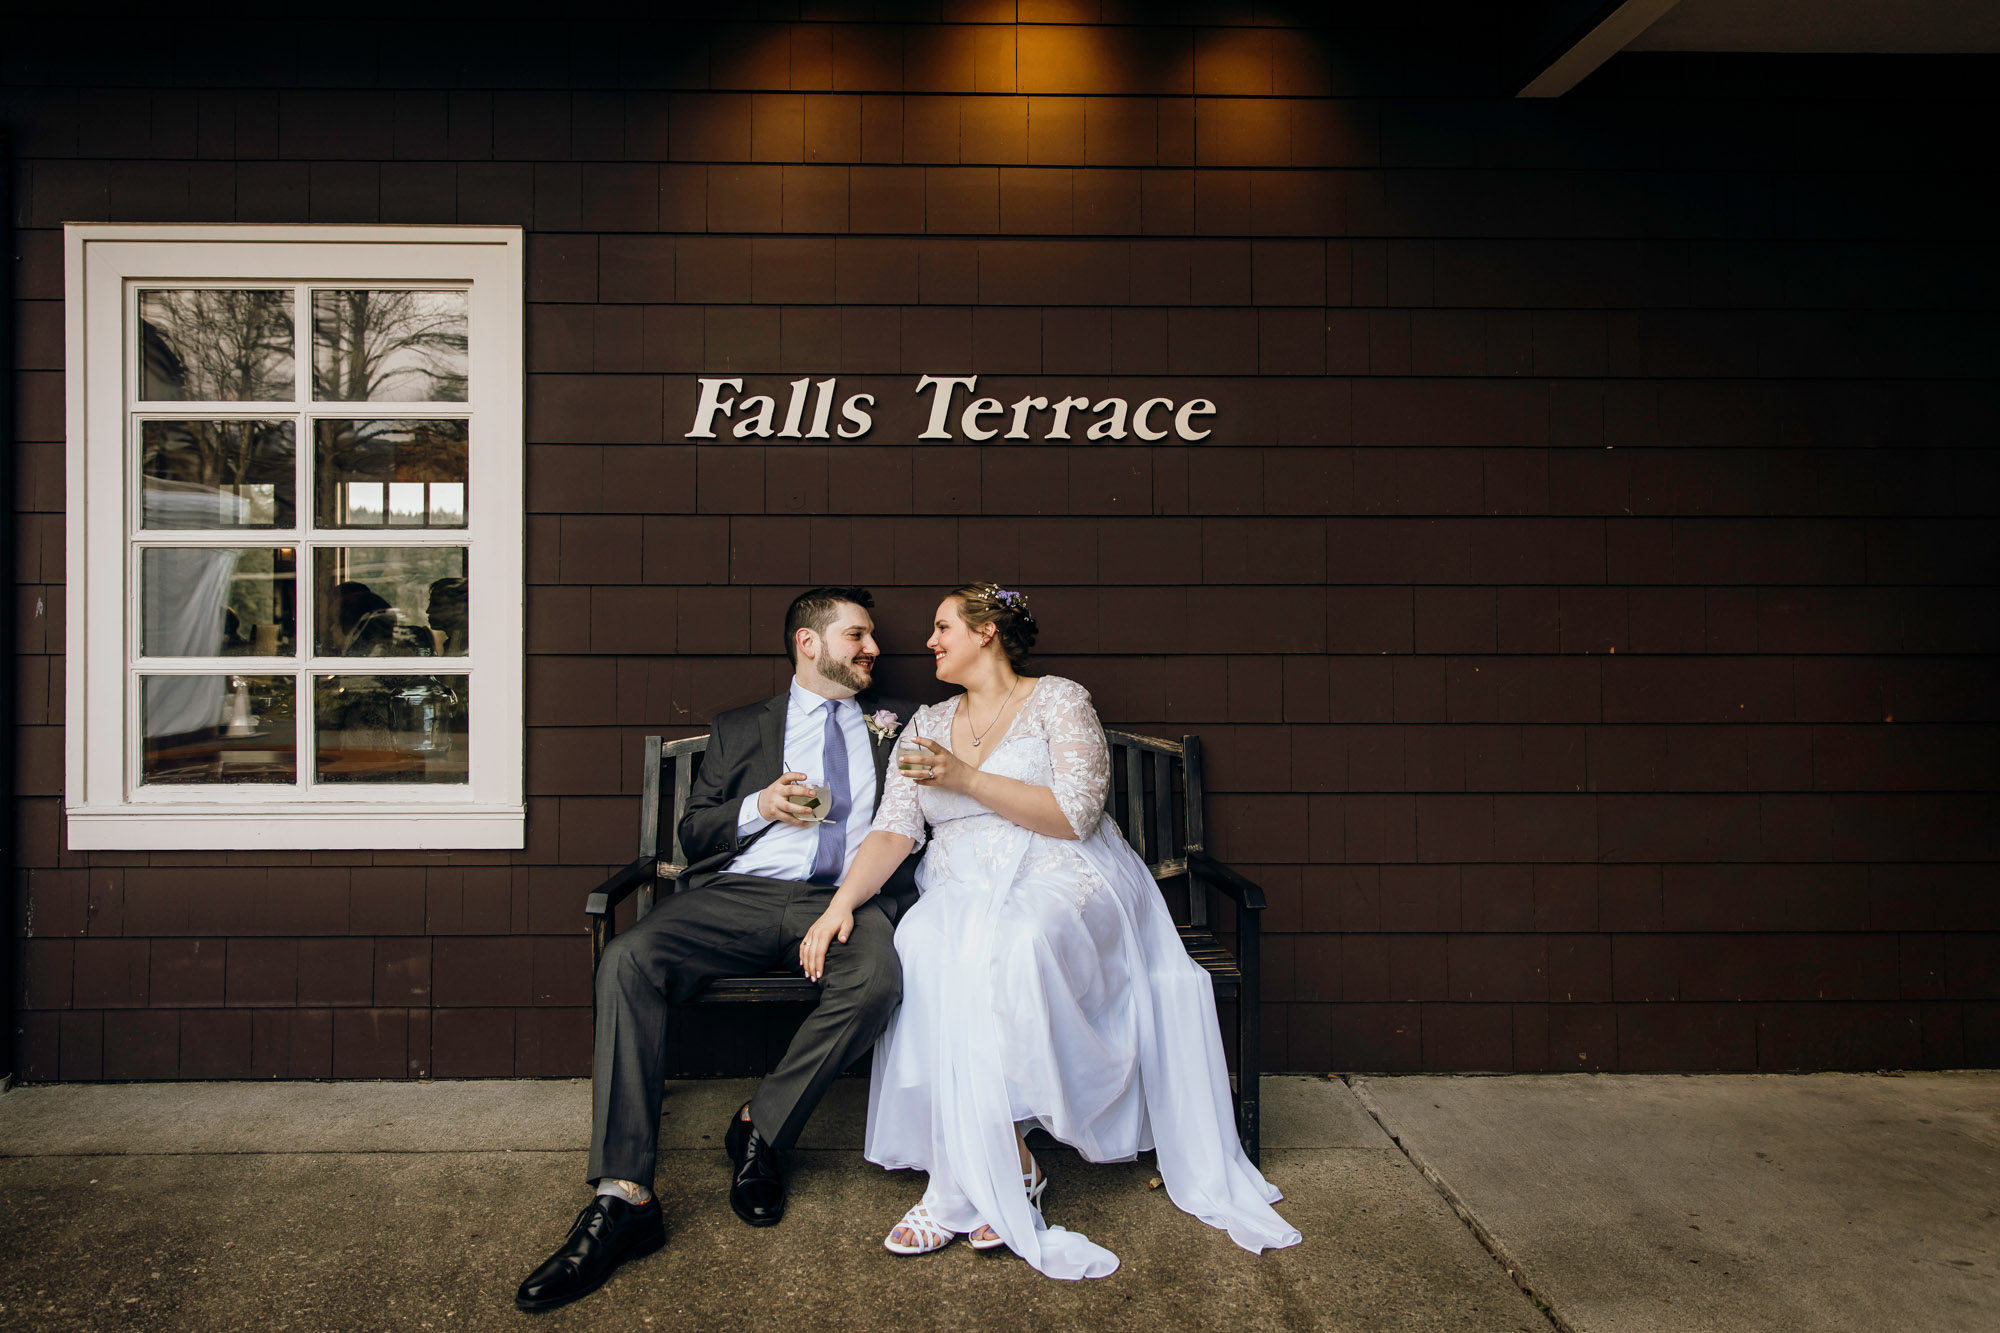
[(778, 987)]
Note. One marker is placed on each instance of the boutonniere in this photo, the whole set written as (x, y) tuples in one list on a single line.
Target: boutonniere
[(882, 724)]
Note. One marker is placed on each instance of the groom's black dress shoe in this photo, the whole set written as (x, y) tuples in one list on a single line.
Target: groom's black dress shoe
[(757, 1190), (606, 1233)]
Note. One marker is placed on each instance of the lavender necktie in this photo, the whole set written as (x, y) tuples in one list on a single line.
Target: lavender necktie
[(832, 855)]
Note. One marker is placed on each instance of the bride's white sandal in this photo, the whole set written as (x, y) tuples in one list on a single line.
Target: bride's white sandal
[(919, 1223), (1034, 1181)]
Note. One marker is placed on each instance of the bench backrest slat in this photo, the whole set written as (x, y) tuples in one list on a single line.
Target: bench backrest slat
[(649, 802), (677, 762), (1192, 826), (683, 782), (1134, 823)]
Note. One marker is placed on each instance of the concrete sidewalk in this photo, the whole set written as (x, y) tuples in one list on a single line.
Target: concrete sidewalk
[(1823, 1202), (1820, 1203), (412, 1206)]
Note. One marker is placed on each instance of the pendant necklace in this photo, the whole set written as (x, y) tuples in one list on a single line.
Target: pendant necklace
[(978, 735)]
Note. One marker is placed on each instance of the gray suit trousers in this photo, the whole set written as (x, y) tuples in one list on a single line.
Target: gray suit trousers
[(726, 925)]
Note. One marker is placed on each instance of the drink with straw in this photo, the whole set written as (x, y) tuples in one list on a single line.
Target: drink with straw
[(818, 805)]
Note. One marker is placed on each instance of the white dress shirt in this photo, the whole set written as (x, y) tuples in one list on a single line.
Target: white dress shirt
[(788, 850)]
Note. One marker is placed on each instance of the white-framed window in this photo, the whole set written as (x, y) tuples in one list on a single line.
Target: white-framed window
[(294, 537)]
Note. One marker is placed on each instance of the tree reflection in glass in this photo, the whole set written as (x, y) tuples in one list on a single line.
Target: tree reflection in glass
[(219, 729), (389, 346), (408, 474), (215, 345), (391, 728), (217, 474), (390, 601), (217, 601)]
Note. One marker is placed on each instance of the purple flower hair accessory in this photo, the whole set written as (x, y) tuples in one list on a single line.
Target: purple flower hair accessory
[(1011, 598)]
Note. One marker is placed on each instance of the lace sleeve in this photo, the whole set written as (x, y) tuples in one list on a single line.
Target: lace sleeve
[(1082, 760), (899, 812)]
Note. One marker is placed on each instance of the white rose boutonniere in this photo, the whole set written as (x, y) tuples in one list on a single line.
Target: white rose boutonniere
[(882, 724)]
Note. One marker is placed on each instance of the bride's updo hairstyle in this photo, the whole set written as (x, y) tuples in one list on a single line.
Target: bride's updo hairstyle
[(1007, 611)]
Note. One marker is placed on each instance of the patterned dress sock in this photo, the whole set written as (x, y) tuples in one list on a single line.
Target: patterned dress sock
[(637, 1195)]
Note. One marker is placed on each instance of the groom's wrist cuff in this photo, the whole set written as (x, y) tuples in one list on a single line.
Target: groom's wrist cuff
[(748, 821)]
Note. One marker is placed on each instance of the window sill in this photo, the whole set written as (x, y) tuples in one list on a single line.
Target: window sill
[(209, 828)]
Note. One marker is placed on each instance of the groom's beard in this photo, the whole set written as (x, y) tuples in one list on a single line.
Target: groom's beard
[(846, 675)]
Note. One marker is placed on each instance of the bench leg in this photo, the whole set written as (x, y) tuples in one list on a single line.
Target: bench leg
[(1249, 1034)]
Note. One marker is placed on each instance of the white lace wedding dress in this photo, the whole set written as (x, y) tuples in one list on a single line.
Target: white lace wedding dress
[(1045, 984)]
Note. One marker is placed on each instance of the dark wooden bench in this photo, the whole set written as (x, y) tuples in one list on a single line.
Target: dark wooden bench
[(1156, 798)]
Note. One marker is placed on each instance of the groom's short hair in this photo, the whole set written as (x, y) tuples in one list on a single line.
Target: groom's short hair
[(815, 609)]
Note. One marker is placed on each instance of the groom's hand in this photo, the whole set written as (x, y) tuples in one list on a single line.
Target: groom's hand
[(779, 801), (819, 938)]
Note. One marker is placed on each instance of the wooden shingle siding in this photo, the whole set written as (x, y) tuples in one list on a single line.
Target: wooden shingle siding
[(1585, 598)]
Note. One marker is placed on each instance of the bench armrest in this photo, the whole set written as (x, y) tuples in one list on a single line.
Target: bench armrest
[(604, 899), (1248, 896)]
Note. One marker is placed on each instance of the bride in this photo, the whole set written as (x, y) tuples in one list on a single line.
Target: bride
[(1044, 984)]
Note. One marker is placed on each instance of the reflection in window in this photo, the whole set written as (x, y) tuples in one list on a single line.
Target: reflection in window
[(389, 346), (407, 474), (390, 601), (444, 502), (217, 474), (390, 728), (214, 345), (362, 505), (217, 601), (406, 504), (215, 728), (411, 504)]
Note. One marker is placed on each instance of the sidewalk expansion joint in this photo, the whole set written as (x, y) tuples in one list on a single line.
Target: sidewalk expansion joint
[(1482, 1233)]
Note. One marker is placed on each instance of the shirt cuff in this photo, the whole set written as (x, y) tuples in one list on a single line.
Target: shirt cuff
[(748, 821)]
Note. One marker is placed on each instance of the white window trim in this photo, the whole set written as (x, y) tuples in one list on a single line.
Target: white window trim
[(104, 809)]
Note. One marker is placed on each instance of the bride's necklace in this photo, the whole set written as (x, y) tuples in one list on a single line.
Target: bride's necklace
[(973, 727)]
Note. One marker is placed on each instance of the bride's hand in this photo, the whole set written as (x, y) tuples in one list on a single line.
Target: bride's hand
[(820, 937), (941, 768)]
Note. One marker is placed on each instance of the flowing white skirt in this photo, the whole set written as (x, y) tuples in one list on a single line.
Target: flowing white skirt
[(1044, 984)]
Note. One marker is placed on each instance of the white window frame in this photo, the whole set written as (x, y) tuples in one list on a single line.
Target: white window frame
[(106, 806)]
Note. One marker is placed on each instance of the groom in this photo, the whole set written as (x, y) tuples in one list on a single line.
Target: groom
[(760, 873)]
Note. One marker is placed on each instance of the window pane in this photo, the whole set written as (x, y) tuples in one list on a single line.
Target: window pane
[(407, 508), (390, 601), (218, 601), (217, 474), (215, 346), (390, 728), (219, 729), (389, 346), (445, 503), (405, 474)]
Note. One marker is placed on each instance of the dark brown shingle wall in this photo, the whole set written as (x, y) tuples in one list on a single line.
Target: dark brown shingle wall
[(1583, 596)]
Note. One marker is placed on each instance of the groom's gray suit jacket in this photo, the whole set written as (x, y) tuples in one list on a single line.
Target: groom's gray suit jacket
[(746, 753)]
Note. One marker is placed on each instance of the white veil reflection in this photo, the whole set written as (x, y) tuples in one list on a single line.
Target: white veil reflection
[(184, 592)]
